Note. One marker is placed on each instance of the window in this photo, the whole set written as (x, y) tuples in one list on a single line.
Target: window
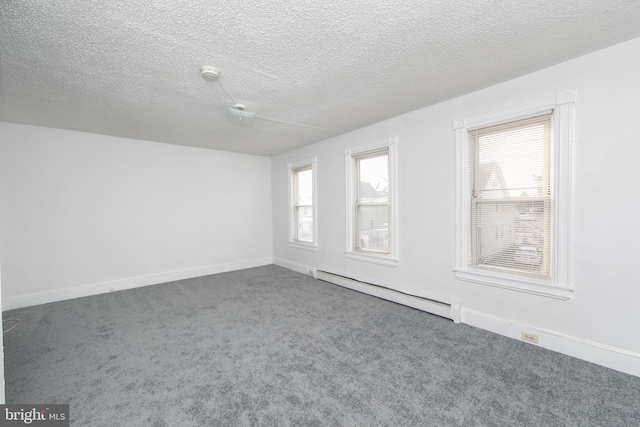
[(514, 173), (371, 214), (509, 180), (372, 203), (302, 204)]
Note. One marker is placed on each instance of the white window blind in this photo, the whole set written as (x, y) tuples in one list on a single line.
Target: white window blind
[(372, 202), (303, 204), (511, 200)]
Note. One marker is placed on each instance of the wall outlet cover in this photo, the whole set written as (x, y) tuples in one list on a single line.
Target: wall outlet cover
[(529, 337)]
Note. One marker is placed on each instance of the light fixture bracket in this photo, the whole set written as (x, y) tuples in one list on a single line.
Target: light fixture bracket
[(209, 73)]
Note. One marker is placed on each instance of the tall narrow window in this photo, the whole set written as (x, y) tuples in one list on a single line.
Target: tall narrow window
[(302, 204), (371, 206), (514, 197), (372, 203), (510, 176)]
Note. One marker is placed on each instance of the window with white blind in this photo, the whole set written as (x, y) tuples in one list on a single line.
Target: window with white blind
[(514, 189), (302, 204), (510, 177), (371, 217)]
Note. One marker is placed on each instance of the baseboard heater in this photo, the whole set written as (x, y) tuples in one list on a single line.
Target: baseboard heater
[(439, 308)]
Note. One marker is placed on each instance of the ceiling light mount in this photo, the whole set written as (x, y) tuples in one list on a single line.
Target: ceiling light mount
[(209, 73), (236, 114)]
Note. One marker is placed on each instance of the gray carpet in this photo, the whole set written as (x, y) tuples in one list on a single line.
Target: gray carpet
[(271, 347)]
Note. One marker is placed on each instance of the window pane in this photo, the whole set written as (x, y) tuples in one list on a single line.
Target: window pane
[(513, 236), (513, 162), (305, 187), (373, 228), (302, 227), (373, 179), (305, 223)]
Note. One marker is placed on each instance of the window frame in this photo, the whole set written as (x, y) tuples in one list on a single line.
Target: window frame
[(293, 168), (352, 155), (478, 199), (559, 285)]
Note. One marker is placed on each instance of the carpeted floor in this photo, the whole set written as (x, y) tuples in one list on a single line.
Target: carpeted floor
[(270, 347)]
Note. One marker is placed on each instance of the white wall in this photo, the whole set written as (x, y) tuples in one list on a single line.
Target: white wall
[(2, 391), (600, 321), (82, 213)]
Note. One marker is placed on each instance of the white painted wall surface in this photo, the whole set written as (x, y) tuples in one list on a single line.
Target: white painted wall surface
[(2, 395), (83, 213), (604, 311)]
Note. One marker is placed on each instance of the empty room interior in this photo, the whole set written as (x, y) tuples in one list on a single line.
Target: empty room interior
[(321, 213)]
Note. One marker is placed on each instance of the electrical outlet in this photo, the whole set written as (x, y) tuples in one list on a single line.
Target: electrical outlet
[(526, 336)]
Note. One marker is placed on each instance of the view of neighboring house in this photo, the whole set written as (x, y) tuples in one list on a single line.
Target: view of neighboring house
[(507, 227), (374, 219), (305, 223), (496, 215)]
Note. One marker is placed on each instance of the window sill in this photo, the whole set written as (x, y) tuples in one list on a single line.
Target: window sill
[(515, 283), (301, 245), (384, 260)]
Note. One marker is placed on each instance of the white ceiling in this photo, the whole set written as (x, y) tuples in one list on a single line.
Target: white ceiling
[(131, 68)]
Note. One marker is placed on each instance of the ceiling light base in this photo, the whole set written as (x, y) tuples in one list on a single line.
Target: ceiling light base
[(209, 73)]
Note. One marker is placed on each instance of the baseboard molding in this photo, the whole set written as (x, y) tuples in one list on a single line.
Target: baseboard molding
[(594, 352), (300, 268), (20, 301)]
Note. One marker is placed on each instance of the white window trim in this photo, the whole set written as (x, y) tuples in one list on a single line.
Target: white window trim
[(559, 285), (291, 167), (390, 259)]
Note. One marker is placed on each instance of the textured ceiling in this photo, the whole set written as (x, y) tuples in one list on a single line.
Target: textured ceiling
[(310, 69)]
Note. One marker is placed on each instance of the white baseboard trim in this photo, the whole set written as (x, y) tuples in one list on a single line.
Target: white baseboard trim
[(20, 301), (300, 268), (594, 352)]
